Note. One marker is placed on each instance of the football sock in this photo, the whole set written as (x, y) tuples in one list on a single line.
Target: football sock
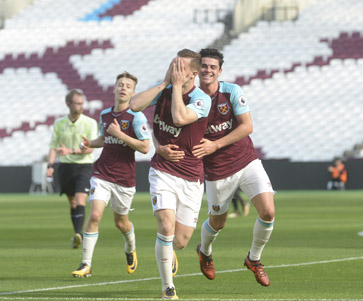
[(89, 243), (73, 218), (164, 258), (261, 235), (208, 235), (130, 240), (79, 219)]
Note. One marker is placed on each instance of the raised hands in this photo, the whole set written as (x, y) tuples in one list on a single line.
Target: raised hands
[(179, 75)]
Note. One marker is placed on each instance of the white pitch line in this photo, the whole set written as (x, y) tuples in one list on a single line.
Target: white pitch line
[(152, 299), (185, 275)]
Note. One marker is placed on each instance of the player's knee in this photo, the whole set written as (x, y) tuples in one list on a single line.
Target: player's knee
[(180, 242), (178, 245), (217, 222), (122, 226), (95, 217), (268, 214)]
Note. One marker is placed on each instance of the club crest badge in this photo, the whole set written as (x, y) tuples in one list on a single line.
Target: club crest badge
[(223, 108), (154, 200), (92, 191), (124, 124), (216, 208)]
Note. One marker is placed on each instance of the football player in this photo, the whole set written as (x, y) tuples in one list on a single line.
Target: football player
[(122, 132)]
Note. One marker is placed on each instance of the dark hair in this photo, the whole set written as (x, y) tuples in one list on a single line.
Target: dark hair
[(71, 93), (196, 61), (127, 75), (212, 53)]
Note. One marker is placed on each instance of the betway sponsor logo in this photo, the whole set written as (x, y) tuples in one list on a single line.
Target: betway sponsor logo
[(114, 140), (227, 125), (167, 128)]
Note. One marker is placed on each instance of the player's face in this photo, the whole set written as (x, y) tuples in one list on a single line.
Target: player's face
[(76, 107), (124, 89), (209, 71)]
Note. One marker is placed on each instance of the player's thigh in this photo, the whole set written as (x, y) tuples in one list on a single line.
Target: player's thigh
[(95, 215), (254, 180), (100, 190), (121, 198), (220, 193), (162, 190), (189, 201)]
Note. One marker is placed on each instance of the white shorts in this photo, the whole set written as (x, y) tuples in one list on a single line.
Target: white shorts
[(174, 193), (252, 180), (120, 197)]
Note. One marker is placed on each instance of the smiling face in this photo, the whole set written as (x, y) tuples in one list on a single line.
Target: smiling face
[(124, 89), (209, 71)]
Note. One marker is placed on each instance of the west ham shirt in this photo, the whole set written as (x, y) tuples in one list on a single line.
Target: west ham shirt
[(186, 137), (227, 103), (117, 161)]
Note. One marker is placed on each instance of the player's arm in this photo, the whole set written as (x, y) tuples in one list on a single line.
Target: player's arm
[(86, 145), (169, 152), (244, 128), (64, 151), (142, 100), (180, 113), (139, 145)]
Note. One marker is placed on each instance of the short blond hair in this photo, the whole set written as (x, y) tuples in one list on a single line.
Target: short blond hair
[(196, 61)]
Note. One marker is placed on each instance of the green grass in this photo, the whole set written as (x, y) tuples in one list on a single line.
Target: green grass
[(312, 230)]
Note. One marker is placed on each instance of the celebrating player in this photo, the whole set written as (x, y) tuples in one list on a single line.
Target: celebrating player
[(122, 132), (176, 186), (230, 161)]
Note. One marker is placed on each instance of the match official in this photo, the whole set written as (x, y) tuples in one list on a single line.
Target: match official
[(75, 167)]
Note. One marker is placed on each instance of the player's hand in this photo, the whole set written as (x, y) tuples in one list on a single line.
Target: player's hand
[(50, 172), (206, 148), (170, 152), (85, 144), (114, 129), (178, 75), (63, 150), (167, 78)]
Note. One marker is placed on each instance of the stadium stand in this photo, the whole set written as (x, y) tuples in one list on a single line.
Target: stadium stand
[(296, 74)]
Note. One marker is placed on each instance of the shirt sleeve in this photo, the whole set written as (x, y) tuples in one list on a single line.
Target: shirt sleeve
[(140, 126), (200, 104), (239, 101), (54, 140), (93, 130), (102, 131)]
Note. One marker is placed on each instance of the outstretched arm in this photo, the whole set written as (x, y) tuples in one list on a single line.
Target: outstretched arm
[(141, 100)]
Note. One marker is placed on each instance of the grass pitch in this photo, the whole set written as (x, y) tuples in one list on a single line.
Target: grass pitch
[(314, 252)]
